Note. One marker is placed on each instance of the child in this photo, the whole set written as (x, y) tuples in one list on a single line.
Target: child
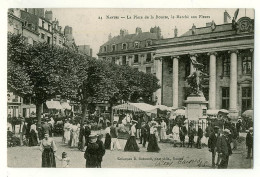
[(65, 160)]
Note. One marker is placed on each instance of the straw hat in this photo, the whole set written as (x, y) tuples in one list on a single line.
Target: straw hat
[(93, 138), (226, 131)]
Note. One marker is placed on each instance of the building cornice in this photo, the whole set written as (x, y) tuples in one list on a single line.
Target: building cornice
[(45, 30), (35, 32), (142, 50), (16, 18)]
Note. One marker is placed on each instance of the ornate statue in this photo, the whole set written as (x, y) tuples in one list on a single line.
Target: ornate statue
[(195, 79)]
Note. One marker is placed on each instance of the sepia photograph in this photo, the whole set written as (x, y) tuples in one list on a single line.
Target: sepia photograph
[(130, 88)]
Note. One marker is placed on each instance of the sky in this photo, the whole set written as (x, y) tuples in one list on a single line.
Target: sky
[(90, 29)]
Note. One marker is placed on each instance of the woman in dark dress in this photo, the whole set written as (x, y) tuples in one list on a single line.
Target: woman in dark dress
[(91, 154), (108, 137), (48, 149), (131, 144), (153, 144), (33, 139)]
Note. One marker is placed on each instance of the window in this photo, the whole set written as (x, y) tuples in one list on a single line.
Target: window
[(105, 48), (148, 43), (226, 66), (26, 40), (148, 70), (204, 112), (42, 36), (247, 64), (136, 58), (204, 60), (16, 31), (113, 48), (54, 40), (49, 27), (187, 68), (136, 45), (246, 98), (48, 39), (113, 60), (187, 92), (124, 60), (225, 97), (33, 27), (30, 41), (42, 24), (148, 57), (25, 23), (26, 100), (124, 46)]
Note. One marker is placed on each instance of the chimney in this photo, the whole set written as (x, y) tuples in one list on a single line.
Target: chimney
[(175, 32), (109, 36), (193, 29), (48, 15), (138, 30), (123, 32), (67, 30)]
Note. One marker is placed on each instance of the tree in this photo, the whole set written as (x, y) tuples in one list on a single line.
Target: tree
[(18, 80), (41, 71)]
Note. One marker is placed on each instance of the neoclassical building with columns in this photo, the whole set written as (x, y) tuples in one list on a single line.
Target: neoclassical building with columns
[(226, 51)]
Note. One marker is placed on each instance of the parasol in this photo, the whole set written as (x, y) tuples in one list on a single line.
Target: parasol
[(224, 111), (248, 113)]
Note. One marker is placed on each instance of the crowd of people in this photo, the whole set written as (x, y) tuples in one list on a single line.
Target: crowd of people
[(220, 140)]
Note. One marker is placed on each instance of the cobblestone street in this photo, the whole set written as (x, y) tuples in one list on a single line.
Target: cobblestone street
[(168, 157)]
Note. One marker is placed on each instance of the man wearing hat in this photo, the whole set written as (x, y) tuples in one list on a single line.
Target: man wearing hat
[(200, 135), (249, 142), (91, 153), (22, 130), (224, 149), (212, 144), (46, 127), (114, 135), (101, 149), (144, 134)]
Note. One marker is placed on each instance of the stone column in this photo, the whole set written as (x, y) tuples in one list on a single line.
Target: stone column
[(192, 56), (233, 81), (175, 80), (212, 80), (158, 65), (252, 86)]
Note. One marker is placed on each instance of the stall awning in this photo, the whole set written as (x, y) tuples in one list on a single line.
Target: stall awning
[(66, 105), (136, 107), (212, 112), (53, 105)]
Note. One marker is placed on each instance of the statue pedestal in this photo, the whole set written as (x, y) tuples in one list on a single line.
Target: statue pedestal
[(196, 107)]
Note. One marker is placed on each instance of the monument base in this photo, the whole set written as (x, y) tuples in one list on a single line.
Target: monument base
[(196, 107)]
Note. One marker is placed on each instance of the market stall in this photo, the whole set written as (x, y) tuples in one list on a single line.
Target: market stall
[(124, 113)]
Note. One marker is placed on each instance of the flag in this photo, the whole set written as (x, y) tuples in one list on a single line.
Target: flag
[(236, 14), (227, 14), (226, 17)]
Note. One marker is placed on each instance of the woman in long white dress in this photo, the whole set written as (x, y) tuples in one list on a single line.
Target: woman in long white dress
[(163, 130), (66, 129), (176, 134), (74, 132)]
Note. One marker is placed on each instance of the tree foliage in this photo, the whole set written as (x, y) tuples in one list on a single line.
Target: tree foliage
[(42, 71)]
